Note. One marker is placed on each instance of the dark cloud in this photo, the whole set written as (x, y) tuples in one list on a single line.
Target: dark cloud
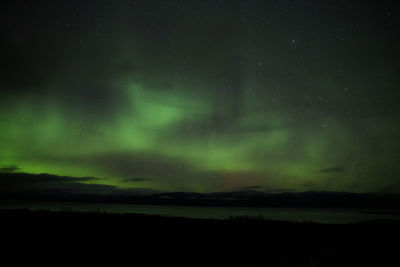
[(14, 182), (53, 186), (334, 169), (27, 178), (135, 180), (9, 169)]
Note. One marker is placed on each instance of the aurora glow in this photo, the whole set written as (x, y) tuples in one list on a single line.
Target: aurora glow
[(174, 96)]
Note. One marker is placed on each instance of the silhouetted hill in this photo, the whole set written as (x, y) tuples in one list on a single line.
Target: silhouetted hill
[(146, 240), (256, 198), (23, 186)]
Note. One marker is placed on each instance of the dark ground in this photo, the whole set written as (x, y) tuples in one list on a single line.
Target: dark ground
[(78, 238)]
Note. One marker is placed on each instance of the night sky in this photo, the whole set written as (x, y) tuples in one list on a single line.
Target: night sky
[(203, 96)]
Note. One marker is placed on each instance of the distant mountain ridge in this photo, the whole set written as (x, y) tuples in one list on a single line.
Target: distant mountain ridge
[(46, 187), (289, 199)]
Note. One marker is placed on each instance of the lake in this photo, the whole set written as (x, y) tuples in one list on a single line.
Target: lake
[(320, 215)]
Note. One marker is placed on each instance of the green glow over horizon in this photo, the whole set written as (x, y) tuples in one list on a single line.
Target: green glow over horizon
[(203, 98), (262, 148)]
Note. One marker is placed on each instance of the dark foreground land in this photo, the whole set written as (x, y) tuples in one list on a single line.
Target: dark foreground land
[(89, 238)]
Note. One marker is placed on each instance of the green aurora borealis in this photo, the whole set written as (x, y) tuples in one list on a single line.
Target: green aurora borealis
[(203, 97)]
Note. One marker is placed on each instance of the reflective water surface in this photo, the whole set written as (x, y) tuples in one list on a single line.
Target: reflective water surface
[(321, 215)]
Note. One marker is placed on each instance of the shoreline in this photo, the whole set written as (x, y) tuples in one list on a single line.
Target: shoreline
[(8, 212)]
